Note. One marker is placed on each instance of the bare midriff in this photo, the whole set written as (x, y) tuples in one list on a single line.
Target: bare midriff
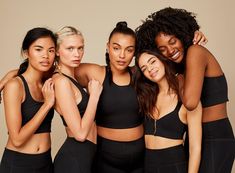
[(124, 135)]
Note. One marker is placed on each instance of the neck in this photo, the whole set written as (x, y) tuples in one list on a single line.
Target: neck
[(33, 75), (70, 71), (163, 86)]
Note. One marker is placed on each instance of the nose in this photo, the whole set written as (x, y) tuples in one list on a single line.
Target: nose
[(170, 50), (122, 54), (76, 52), (149, 67), (46, 54)]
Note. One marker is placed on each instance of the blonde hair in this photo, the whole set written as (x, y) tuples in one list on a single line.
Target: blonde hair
[(60, 34), (66, 31)]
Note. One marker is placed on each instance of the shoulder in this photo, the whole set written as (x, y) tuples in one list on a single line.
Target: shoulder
[(198, 50), (60, 80), (90, 67), (14, 87), (14, 84)]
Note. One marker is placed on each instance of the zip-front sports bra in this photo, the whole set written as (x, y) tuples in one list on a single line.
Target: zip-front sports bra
[(168, 126), (30, 107), (214, 91), (118, 106)]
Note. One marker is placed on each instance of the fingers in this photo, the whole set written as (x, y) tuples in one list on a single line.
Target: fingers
[(199, 38)]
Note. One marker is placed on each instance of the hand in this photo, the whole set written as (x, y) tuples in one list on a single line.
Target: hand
[(94, 88), (48, 92), (199, 38)]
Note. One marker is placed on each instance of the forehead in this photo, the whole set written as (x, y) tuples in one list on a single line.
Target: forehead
[(44, 42), (72, 39), (145, 57), (122, 39)]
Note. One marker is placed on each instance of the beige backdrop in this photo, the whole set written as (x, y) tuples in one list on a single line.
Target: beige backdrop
[(96, 20)]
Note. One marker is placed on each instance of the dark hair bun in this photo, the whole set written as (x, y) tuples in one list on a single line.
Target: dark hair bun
[(122, 24)]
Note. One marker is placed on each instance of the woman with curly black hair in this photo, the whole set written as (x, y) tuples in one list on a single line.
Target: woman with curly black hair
[(171, 31)]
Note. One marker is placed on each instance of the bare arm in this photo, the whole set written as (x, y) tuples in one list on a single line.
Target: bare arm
[(194, 120), (12, 103), (11, 74), (196, 63), (66, 102), (87, 71)]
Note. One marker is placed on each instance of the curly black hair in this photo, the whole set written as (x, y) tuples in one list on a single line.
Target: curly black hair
[(172, 21)]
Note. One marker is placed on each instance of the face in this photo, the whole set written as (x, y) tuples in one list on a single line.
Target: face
[(152, 68), (121, 48), (170, 46), (41, 54), (71, 51)]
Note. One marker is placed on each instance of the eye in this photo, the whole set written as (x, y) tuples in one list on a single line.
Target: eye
[(70, 49), (38, 49), (172, 41), (130, 50), (152, 61), (115, 48), (52, 51), (81, 48)]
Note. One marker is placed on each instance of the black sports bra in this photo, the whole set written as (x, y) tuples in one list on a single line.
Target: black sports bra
[(30, 107), (214, 91), (169, 126), (85, 97), (118, 106)]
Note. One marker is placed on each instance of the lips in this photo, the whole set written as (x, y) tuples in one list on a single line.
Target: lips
[(45, 63), (153, 73), (175, 56), (121, 63)]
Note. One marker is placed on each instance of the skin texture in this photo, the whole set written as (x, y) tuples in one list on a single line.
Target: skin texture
[(40, 55), (199, 63), (154, 70), (70, 52), (121, 49)]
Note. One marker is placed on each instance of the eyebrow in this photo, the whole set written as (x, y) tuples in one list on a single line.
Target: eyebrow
[(147, 61), (120, 45), (38, 46)]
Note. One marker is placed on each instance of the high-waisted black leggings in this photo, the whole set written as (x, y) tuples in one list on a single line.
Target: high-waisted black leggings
[(218, 147), (74, 157), (168, 160), (119, 157), (16, 162)]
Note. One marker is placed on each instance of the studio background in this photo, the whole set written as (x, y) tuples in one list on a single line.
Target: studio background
[(96, 19)]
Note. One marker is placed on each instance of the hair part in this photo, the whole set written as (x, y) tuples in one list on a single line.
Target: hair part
[(147, 91), (31, 36)]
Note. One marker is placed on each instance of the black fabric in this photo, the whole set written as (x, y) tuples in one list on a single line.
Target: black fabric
[(214, 91), (85, 98), (218, 147), (75, 157), (168, 160), (30, 107), (119, 157), (168, 126), (118, 106), (16, 162)]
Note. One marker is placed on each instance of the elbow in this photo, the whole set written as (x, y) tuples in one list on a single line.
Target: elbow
[(17, 143), (81, 137), (190, 104)]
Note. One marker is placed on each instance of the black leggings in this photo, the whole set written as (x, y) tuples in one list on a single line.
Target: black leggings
[(168, 160), (16, 162), (75, 157), (218, 147), (119, 157)]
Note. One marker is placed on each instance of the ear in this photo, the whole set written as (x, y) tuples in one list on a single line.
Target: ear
[(107, 47), (25, 54), (57, 53)]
